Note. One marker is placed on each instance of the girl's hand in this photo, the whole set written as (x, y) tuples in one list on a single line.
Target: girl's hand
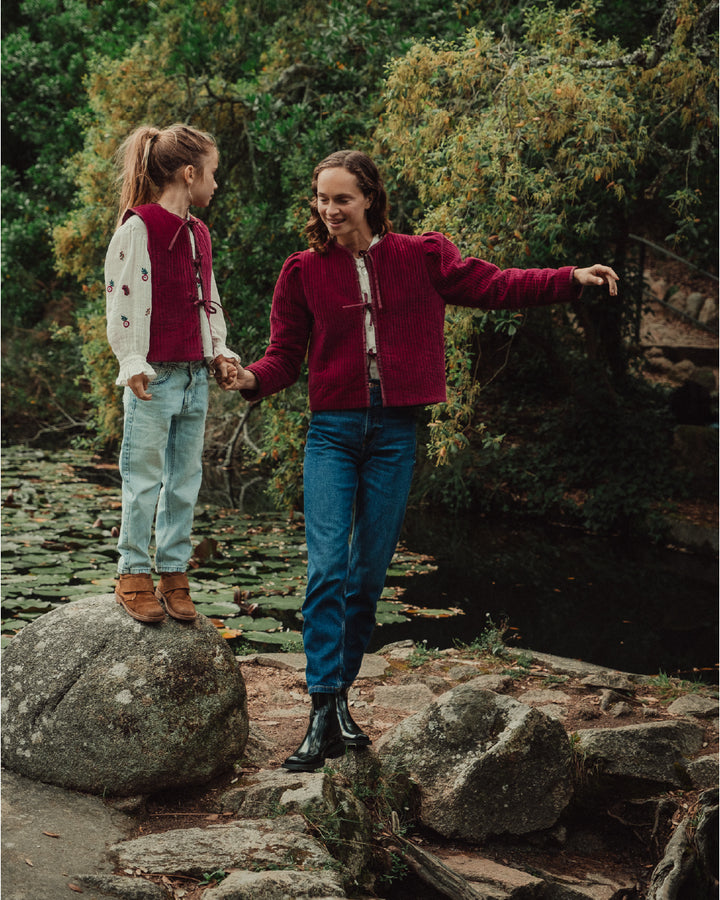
[(598, 274), (225, 371), (244, 381), (138, 385)]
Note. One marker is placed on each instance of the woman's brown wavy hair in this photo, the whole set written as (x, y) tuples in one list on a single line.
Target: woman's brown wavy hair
[(369, 182)]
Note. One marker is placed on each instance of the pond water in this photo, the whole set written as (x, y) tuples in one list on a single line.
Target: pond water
[(626, 605), (617, 603)]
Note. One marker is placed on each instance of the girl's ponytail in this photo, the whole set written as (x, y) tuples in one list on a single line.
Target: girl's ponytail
[(150, 157)]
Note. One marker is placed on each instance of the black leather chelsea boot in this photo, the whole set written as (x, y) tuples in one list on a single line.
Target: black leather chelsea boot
[(323, 738), (350, 732)]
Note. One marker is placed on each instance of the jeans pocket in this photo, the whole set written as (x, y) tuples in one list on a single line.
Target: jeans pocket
[(162, 373)]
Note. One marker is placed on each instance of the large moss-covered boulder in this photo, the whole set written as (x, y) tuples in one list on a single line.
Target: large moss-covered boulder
[(95, 701)]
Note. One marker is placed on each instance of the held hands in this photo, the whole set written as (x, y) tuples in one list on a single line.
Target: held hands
[(225, 371), (231, 376), (597, 274), (245, 380)]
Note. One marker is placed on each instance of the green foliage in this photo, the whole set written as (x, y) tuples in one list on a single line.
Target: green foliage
[(43, 368), (531, 133), (490, 642), (422, 654), (537, 153), (215, 877), (45, 52)]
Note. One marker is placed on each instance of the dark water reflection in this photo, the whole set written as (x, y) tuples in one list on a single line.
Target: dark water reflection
[(626, 605)]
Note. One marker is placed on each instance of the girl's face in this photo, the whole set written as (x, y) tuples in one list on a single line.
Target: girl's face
[(342, 206), (202, 181)]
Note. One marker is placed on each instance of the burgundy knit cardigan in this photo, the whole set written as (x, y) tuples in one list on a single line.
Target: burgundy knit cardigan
[(317, 309)]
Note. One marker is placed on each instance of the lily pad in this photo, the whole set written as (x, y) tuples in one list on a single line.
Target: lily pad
[(247, 623), (283, 639)]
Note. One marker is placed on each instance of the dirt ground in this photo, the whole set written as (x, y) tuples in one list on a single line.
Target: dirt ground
[(279, 707)]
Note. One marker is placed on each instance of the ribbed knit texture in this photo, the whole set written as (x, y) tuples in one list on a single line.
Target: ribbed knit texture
[(175, 322), (317, 308)]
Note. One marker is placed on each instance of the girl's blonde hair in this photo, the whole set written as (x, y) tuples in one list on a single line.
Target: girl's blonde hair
[(150, 157)]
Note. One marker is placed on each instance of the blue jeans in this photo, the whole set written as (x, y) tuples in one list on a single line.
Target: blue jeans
[(161, 468), (358, 469)]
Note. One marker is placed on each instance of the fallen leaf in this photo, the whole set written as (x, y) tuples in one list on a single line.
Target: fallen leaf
[(28, 862), (76, 888), (51, 834)]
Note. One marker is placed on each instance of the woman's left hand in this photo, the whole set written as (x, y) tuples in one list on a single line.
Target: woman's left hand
[(598, 274)]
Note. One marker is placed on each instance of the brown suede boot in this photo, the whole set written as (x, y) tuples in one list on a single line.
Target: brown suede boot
[(136, 595), (174, 591)]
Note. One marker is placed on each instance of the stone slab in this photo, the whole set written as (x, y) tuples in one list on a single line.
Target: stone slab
[(37, 866)]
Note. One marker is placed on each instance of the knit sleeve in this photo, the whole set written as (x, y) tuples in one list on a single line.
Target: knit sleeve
[(128, 293), (480, 284), (290, 326)]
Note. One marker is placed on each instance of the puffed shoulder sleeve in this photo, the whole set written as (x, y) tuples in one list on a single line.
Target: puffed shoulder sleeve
[(128, 293), (477, 283)]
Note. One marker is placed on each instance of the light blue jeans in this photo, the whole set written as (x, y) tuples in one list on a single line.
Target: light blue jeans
[(161, 468), (357, 475)]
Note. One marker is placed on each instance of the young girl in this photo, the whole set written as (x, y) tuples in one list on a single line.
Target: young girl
[(165, 325)]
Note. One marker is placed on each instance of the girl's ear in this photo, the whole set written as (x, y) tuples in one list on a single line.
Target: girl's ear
[(189, 174)]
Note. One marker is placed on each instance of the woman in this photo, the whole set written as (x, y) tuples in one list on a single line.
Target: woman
[(367, 306)]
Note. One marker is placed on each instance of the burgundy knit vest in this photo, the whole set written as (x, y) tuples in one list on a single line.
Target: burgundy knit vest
[(176, 305)]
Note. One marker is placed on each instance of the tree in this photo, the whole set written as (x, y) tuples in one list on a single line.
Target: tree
[(553, 150)]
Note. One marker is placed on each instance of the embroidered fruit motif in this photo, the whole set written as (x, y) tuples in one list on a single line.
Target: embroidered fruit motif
[(126, 290), (110, 287), (125, 321), (144, 274), (122, 254)]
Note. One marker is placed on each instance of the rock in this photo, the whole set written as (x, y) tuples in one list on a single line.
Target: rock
[(678, 299), (462, 673), (643, 757), (660, 363), (615, 681), (96, 701), (321, 799), (403, 696), (278, 886), (282, 843), (618, 710), (683, 371), (693, 705), (540, 697), (485, 764), (435, 683), (708, 314), (122, 887), (689, 867), (658, 287), (694, 303), (703, 772), (36, 865)]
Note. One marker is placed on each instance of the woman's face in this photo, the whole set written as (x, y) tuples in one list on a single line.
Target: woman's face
[(342, 206)]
